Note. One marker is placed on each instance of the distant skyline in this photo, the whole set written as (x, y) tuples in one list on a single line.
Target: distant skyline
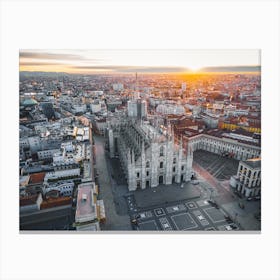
[(145, 61)]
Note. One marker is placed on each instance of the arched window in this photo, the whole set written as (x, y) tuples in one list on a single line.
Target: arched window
[(147, 164), (161, 150), (249, 173)]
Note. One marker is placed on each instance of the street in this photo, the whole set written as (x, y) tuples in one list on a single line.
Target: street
[(114, 221)]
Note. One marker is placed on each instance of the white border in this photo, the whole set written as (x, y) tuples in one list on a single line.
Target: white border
[(139, 25)]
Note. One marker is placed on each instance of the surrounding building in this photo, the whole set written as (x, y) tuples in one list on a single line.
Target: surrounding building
[(167, 109), (248, 178), (137, 108), (234, 145), (87, 215)]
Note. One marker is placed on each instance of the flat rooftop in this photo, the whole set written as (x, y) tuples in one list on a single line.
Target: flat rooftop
[(86, 208), (254, 162)]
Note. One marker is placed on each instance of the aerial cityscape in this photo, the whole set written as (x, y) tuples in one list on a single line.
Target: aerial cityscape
[(139, 140)]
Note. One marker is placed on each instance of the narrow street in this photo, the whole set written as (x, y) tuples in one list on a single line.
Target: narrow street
[(113, 220)]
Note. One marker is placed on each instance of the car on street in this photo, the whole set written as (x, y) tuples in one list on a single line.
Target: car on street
[(233, 226), (228, 227), (249, 198)]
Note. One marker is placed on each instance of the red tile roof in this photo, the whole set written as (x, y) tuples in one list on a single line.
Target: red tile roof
[(55, 201), (28, 200), (37, 178)]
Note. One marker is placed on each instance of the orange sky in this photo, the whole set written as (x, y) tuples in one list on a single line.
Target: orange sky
[(98, 61)]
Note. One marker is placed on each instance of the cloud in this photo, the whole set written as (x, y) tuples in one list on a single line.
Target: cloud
[(55, 56), (256, 68), (39, 63), (129, 69), (49, 56)]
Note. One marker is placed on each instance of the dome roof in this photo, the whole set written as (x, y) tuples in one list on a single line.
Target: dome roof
[(29, 102)]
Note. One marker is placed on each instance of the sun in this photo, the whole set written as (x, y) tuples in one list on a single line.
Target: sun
[(194, 67)]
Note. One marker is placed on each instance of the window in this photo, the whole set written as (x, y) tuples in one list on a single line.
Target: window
[(174, 169), (147, 164), (183, 167), (137, 174), (161, 164), (147, 173), (161, 150), (174, 160)]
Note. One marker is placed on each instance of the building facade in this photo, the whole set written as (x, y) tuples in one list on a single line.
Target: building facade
[(248, 178), (219, 145), (149, 157)]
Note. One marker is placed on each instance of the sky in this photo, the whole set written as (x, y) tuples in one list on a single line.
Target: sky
[(145, 61)]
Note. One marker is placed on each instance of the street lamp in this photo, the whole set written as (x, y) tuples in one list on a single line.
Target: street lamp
[(211, 194), (235, 217)]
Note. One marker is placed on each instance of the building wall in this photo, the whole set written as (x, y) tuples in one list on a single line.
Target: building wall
[(34, 143), (149, 164), (95, 107), (47, 154), (248, 180), (65, 189), (232, 126), (62, 173), (241, 151)]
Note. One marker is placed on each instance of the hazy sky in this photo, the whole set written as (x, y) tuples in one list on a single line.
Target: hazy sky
[(100, 61)]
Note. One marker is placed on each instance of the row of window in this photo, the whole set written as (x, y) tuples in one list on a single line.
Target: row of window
[(220, 143), (161, 166), (66, 193)]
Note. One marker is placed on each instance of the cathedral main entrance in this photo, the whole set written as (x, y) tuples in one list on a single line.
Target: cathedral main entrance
[(147, 184)]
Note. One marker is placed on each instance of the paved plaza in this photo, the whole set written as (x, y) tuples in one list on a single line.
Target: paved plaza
[(220, 167), (165, 194), (184, 216), (184, 221)]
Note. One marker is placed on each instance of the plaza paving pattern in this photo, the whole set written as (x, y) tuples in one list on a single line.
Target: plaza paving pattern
[(220, 167), (181, 216)]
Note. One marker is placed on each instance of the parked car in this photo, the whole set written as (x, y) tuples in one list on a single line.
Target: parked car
[(233, 226), (228, 227)]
